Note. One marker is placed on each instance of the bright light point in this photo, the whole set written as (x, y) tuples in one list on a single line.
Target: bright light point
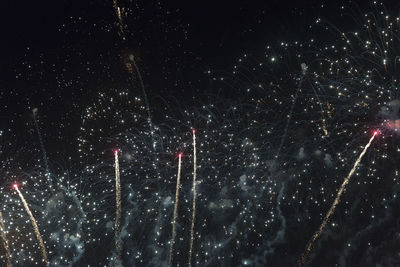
[(180, 155), (376, 132), (193, 131), (116, 152), (15, 186)]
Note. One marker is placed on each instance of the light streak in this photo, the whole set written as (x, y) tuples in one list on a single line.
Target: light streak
[(46, 164), (178, 182), (5, 241), (118, 246), (120, 23), (335, 203), (194, 199), (35, 226)]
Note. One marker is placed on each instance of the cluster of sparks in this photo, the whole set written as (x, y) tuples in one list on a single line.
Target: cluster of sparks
[(262, 169)]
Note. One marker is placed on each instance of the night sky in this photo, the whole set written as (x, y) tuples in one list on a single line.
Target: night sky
[(285, 116)]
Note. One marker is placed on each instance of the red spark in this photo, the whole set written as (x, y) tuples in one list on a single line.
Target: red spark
[(15, 186)]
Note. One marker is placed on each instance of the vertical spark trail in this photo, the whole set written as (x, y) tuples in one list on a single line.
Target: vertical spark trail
[(289, 116), (35, 226), (121, 25), (46, 165), (146, 101), (178, 182), (118, 246), (194, 199), (5, 241), (335, 203)]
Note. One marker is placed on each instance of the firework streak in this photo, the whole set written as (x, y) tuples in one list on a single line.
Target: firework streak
[(5, 241), (118, 246), (46, 164), (120, 23), (194, 199), (149, 121), (178, 182), (34, 224), (335, 203)]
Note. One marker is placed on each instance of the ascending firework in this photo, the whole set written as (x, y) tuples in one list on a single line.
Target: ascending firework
[(194, 199), (118, 247), (45, 161), (178, 182), (146, 101), (34, 224), (333, 207), (5, 241)]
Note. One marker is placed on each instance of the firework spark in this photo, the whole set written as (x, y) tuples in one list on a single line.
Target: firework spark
[(149, 121), (34, 224), (5, 241), (335, 203), (178, 182), (118, 246), (120, 23), (46, 164), (194, 199)]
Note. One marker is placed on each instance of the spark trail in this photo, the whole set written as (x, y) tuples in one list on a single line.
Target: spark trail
[(120, 23), (121, 32), (35, 226), (194, 199), (118, 246), (46, 164), (146, 101), (304, 69), (310, 245), (178, 182), (5, 241)]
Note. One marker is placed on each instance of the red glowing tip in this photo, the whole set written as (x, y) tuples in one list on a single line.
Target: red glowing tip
[(376, 132), (180, 155), (116, 151), (193, 130), (15, 186)]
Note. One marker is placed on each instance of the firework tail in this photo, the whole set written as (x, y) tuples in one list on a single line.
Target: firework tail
[(178, 182), (35, 226), (310, 245), (149, 121), (194, 200), (46, 164), (121, 25), (289, 119), (5, 241), (118, 246)]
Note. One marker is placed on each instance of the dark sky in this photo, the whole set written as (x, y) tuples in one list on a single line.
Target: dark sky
[(57, 54)]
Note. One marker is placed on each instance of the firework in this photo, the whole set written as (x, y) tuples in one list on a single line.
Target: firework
[(46, 164), (35, 226), (335, 203), (146, 101), (118, 246), (5, 241), (194, 199), (121, 25), (277, 143), (178, 181)]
